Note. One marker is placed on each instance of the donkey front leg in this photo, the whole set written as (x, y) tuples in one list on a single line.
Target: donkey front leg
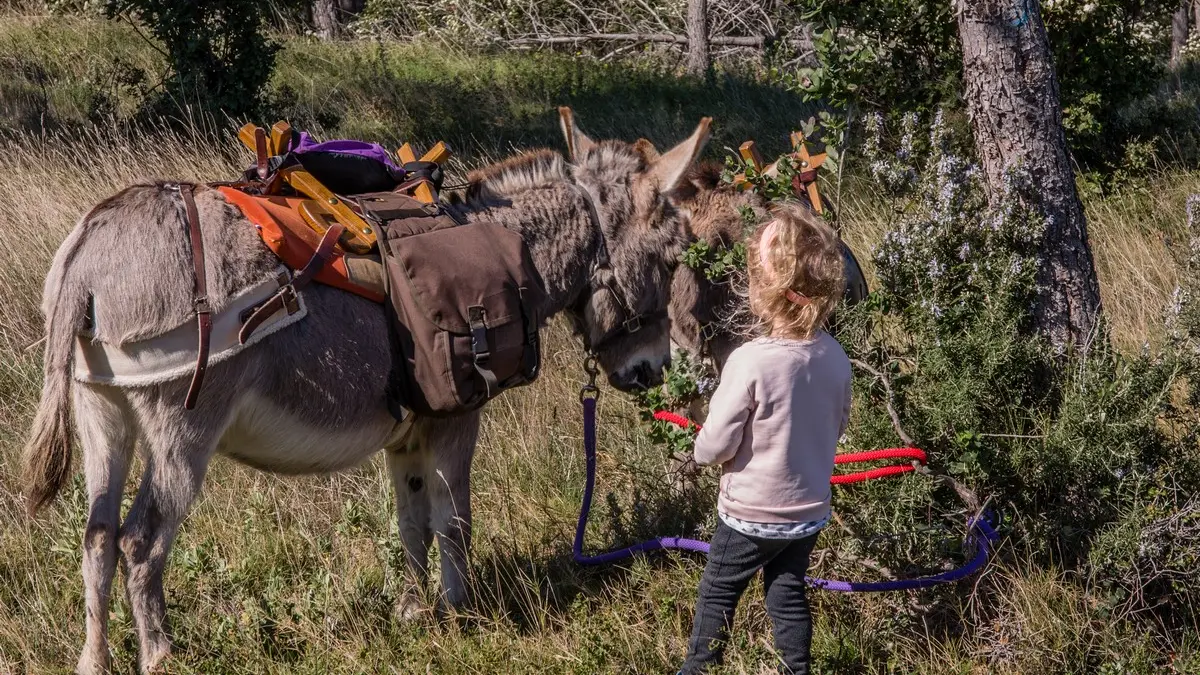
[(107, 433), (451, 444), (178, 445), (408, 468)]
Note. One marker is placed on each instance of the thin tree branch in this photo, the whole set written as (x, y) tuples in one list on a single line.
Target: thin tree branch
[(758, 41), (964, 493), (889, 402)]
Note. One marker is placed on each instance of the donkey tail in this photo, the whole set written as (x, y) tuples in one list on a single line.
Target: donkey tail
[(48, 452)]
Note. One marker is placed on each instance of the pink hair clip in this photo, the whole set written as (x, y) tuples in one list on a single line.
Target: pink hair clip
[(796, 299)]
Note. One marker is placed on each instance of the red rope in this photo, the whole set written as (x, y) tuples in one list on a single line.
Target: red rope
[(881, 472), (872, 455), (677, 420), (843, 458)]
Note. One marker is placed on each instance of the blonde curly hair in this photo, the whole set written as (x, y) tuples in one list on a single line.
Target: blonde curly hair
[(797, 273)]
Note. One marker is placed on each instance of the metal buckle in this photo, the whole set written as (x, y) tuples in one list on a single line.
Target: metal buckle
[(477, 317), (290, 300), (590, 390), (633, 325)]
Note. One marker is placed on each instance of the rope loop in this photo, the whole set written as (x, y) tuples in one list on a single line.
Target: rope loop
[(917, 455), (980, 535)]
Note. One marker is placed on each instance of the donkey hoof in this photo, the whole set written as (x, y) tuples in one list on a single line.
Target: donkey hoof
[(410, 608), (156, 659), (94, 662)]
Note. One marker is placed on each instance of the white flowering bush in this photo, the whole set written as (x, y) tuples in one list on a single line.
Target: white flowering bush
[(1078, 452), (949, 257)]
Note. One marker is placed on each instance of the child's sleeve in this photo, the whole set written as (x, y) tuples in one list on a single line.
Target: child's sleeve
[(729, 411)]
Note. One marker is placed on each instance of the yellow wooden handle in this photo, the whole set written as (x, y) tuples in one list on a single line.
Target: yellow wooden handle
[(406, 154), (438, 154), (246, 136), (815, 197), (363, 234), (749, 152), (315, 215), (281, 137), (320, 219)]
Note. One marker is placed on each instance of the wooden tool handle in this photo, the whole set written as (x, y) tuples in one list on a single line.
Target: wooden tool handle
[(281, 138), (261, 152), (320, 219), (246, 136), (749, 152), (363, 234), (406, 154), (438, 154)]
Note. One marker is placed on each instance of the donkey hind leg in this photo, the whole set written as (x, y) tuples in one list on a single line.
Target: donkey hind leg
[(450, 444), (177, 447), (108, 433), (407, 466)]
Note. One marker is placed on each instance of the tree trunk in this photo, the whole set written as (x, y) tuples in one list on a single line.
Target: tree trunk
[(1013, 104), (1179, 33), (697, 32), (1196, 14), (330, 16)]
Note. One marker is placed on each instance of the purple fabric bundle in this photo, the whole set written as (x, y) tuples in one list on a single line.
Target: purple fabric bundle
[(373, 151), (346, 167)]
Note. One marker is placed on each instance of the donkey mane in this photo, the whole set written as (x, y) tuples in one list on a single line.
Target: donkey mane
[(527, 171), (542, 168)]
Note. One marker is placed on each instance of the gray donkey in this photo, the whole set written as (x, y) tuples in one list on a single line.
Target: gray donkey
[(708, 317), (700, 309), (311, 397)]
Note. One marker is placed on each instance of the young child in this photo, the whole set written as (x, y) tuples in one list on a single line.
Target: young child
[(773, 426)]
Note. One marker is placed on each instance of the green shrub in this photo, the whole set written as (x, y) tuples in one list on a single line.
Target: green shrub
[(220, 59)]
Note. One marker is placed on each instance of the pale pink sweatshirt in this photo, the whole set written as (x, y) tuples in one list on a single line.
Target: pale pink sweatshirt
[(773, 425)]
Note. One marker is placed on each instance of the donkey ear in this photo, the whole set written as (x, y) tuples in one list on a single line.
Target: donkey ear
[(647, 150), (577, 141), (670, 168)]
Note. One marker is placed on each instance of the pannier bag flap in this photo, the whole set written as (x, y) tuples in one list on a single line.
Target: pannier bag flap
[(468, 260)]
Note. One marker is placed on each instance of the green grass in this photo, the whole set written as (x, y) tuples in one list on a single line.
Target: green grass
[(300, 575), (64, 72)]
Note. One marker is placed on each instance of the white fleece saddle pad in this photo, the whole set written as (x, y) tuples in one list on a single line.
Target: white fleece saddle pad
[(172, 355)]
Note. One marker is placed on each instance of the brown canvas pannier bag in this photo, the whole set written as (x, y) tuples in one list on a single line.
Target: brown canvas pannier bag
[(466, 301)]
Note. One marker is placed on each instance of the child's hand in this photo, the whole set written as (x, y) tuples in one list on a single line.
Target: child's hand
[(683, 469)]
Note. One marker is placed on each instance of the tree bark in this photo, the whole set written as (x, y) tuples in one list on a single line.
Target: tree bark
[(1196, 14), (330, 16), (1013, 104), (1179, 32), (698, 60)]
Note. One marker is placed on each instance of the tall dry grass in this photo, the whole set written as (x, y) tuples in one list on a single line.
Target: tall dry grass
[(1134, 236), (301, 574)]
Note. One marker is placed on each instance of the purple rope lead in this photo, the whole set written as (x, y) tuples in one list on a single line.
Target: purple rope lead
[(980, 531)]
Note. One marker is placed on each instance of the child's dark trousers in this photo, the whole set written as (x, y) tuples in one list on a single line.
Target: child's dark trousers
[(732, 563)]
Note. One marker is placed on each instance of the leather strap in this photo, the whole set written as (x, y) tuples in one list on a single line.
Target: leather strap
[(321, 257), (807, 177), (199, 294), (286, 297)]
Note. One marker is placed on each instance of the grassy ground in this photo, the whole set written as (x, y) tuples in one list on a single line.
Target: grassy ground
[(300, 575)]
